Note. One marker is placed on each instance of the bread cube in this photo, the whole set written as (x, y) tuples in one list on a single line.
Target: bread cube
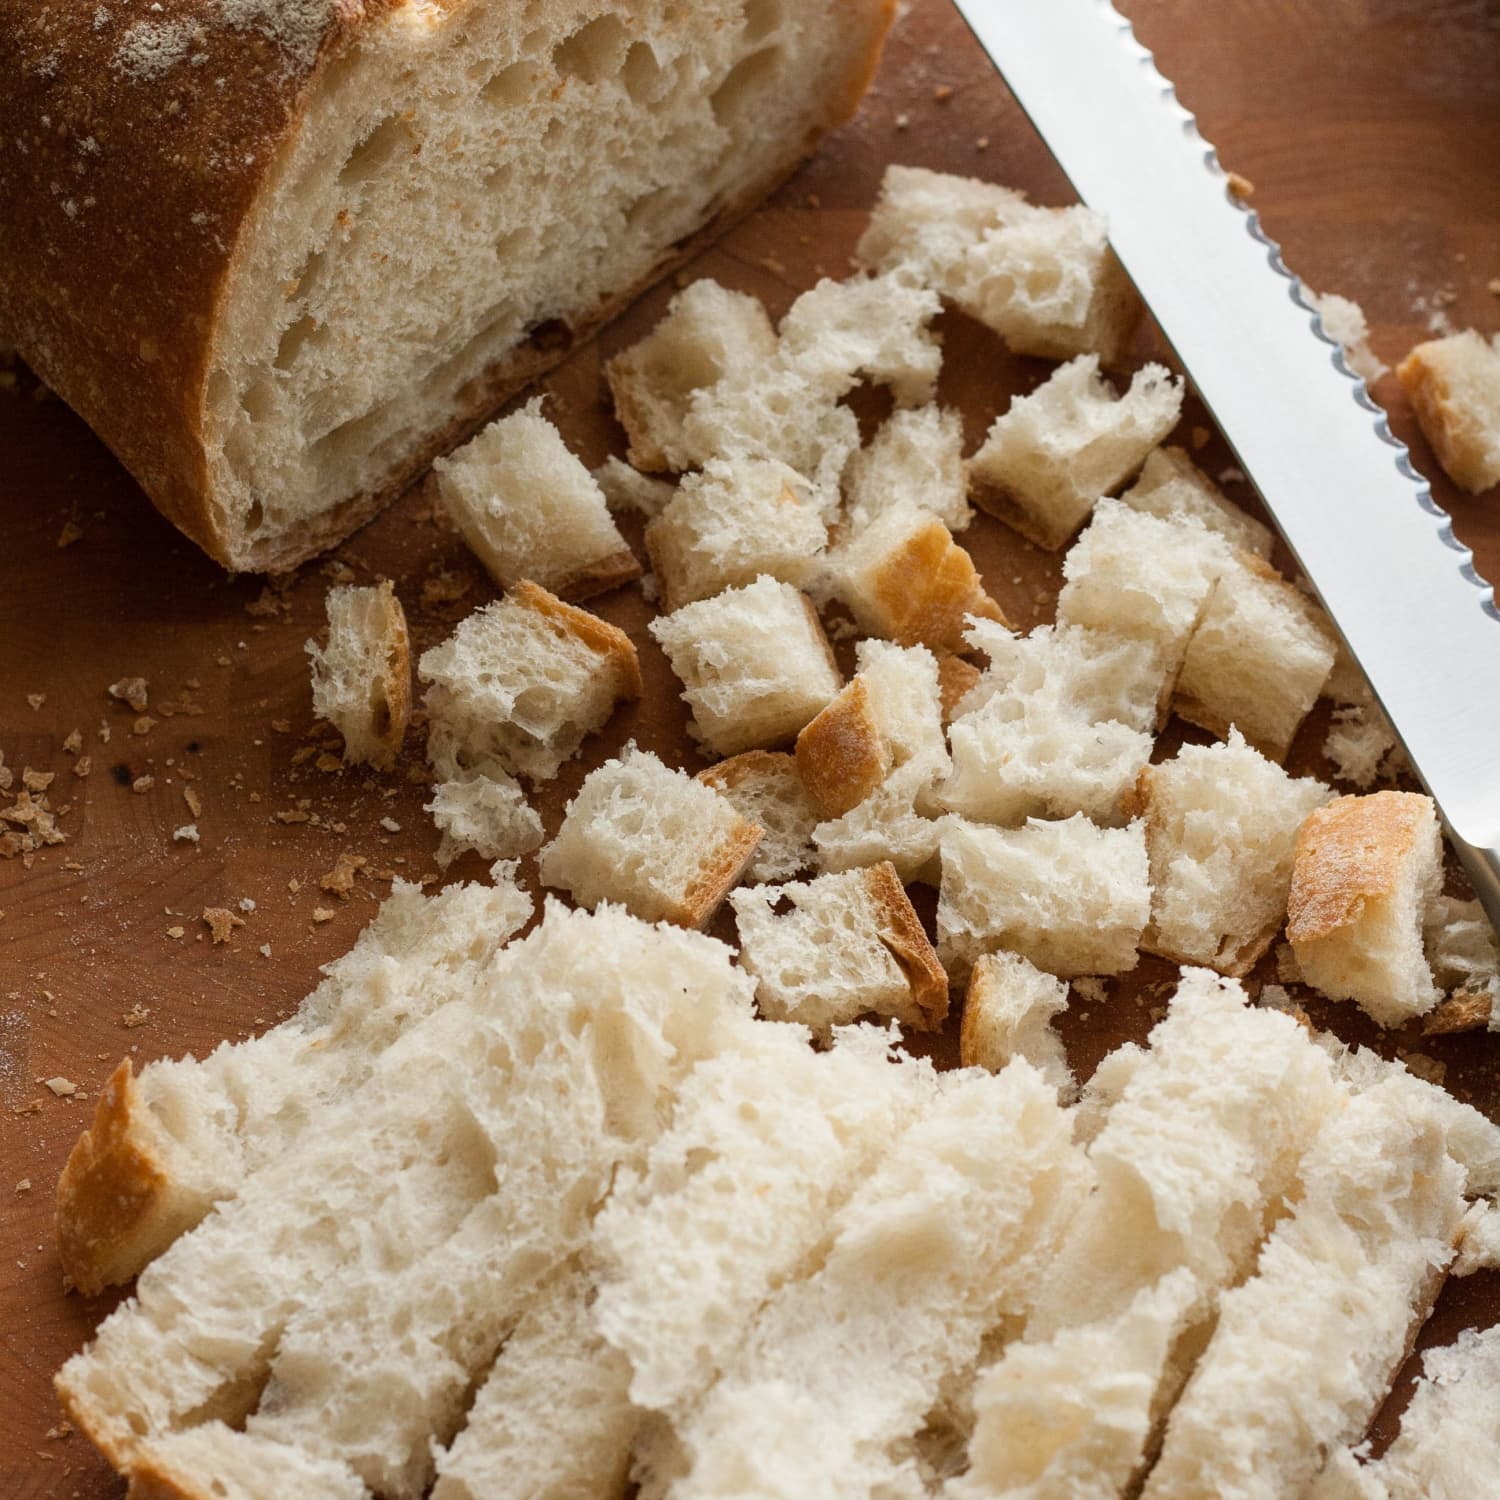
[(872, 326), (529, 509), (361, 680), (890, 714), (665, 847), (1453, 385), (905, 578), (1070, 896), (1361, 744), (1366, 871), (1221, 831), (625, 488), (850, 944), (754, 664), (1056, 726), (1135, 574), (1257, 660), (1464, 952), (1008, 1011), (1053, 454), (707, 332), (763, 786), (915, 458), (486, 814), (733, 521), (521, 683), (1174, 488), (1049, 285), (924, 224)]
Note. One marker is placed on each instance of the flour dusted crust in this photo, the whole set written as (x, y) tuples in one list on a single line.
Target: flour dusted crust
[(126, 290)]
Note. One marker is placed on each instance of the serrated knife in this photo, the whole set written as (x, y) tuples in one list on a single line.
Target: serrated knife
[(1362, 523)]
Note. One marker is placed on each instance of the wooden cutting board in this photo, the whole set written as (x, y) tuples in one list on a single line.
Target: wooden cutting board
[(1371, 129)]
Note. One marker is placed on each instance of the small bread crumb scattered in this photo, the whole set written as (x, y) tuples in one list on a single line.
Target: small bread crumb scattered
[(187, 834), (221, 922), (64, 1088), (340, 879), (322, 914), (133, 691)]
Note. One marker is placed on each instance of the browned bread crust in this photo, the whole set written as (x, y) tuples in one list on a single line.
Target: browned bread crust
[(717, 876), (609, 641), (393, 692), (128, 208), (927, 587), (907, 942), (842, 755)]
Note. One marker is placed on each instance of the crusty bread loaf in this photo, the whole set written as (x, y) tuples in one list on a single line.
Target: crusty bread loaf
[(916, 456), (1172, 486), (1070, 896), (664, 846), (529, 509), (754, 664), (1008, 1011), (1453, 385), (409, 212), (488, 815), (171, 1141), (521, 683), (1257, 660), (1047, 460), (1221, 831), (361, 680), (903, 577), (1303, 1352), (1366, 871), (731, 522), (765, 787), (849, 945)]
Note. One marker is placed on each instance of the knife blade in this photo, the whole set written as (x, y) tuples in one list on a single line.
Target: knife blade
[(1402, 590)]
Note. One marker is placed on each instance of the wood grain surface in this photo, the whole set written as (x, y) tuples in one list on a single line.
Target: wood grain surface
[(1371, 129)]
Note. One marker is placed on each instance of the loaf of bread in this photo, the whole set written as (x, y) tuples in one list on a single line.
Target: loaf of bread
[(306, 246)]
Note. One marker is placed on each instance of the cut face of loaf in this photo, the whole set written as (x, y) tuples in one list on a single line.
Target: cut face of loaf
[(426, 206)]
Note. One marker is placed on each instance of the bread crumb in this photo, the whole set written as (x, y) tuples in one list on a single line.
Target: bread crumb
[(64, 1088), (187, 834), (37, 781), (137, 1015), (1240, 187), (221, 922), (176, 932), (281, 726), (1428, 1069), (142, 784), (131, 690), (293, 815), (336, 571), (265, 950), (340, 879), (71, 532), (74, 742), (322, 914), (1200, 437), (36, 700), (942, 93), (390, 825), (24, 1185), (143, 725), (82, 767), (294, 885), (326, 763), (246, 904), (902, 121), (193, 800)]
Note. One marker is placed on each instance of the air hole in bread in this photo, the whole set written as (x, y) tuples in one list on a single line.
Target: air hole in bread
[(294, 340), (512, 85), (255, 517), (762, 17), (377, 151), (549, 336), (744, 82), (642, 74), (595, 52)]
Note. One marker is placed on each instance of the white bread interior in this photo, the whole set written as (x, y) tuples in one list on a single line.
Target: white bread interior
[(1454, 385), (1172, 486), (764, 787), (361, 680), (915, 456)]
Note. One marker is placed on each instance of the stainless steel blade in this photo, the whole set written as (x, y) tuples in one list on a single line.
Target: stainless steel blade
[(1381, 553)]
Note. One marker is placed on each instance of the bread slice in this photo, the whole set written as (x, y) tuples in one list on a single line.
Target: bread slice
[(1448, 1431), (708, 332), (529, 509), (1257, 660), (1067, 1418), (521, 683), (625, 488), (1055, 726), (1453, 385), (849, 944), (736, 1199), (888, 715), (1133, 573), (1009, 1007), (1366, 871), (764, 787), (553, 1419), (924, 223), (664, 846), (948, 1235), (1221, 832), (1303, 1353), (754, 664), (1049, 285), (903, 577), (434, 212), (488, 815), (181, 1135), (731, 522), (361, 680), (1173, 487), (443, 1190), (1071, 897), (1053, 454), (915, 455)]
